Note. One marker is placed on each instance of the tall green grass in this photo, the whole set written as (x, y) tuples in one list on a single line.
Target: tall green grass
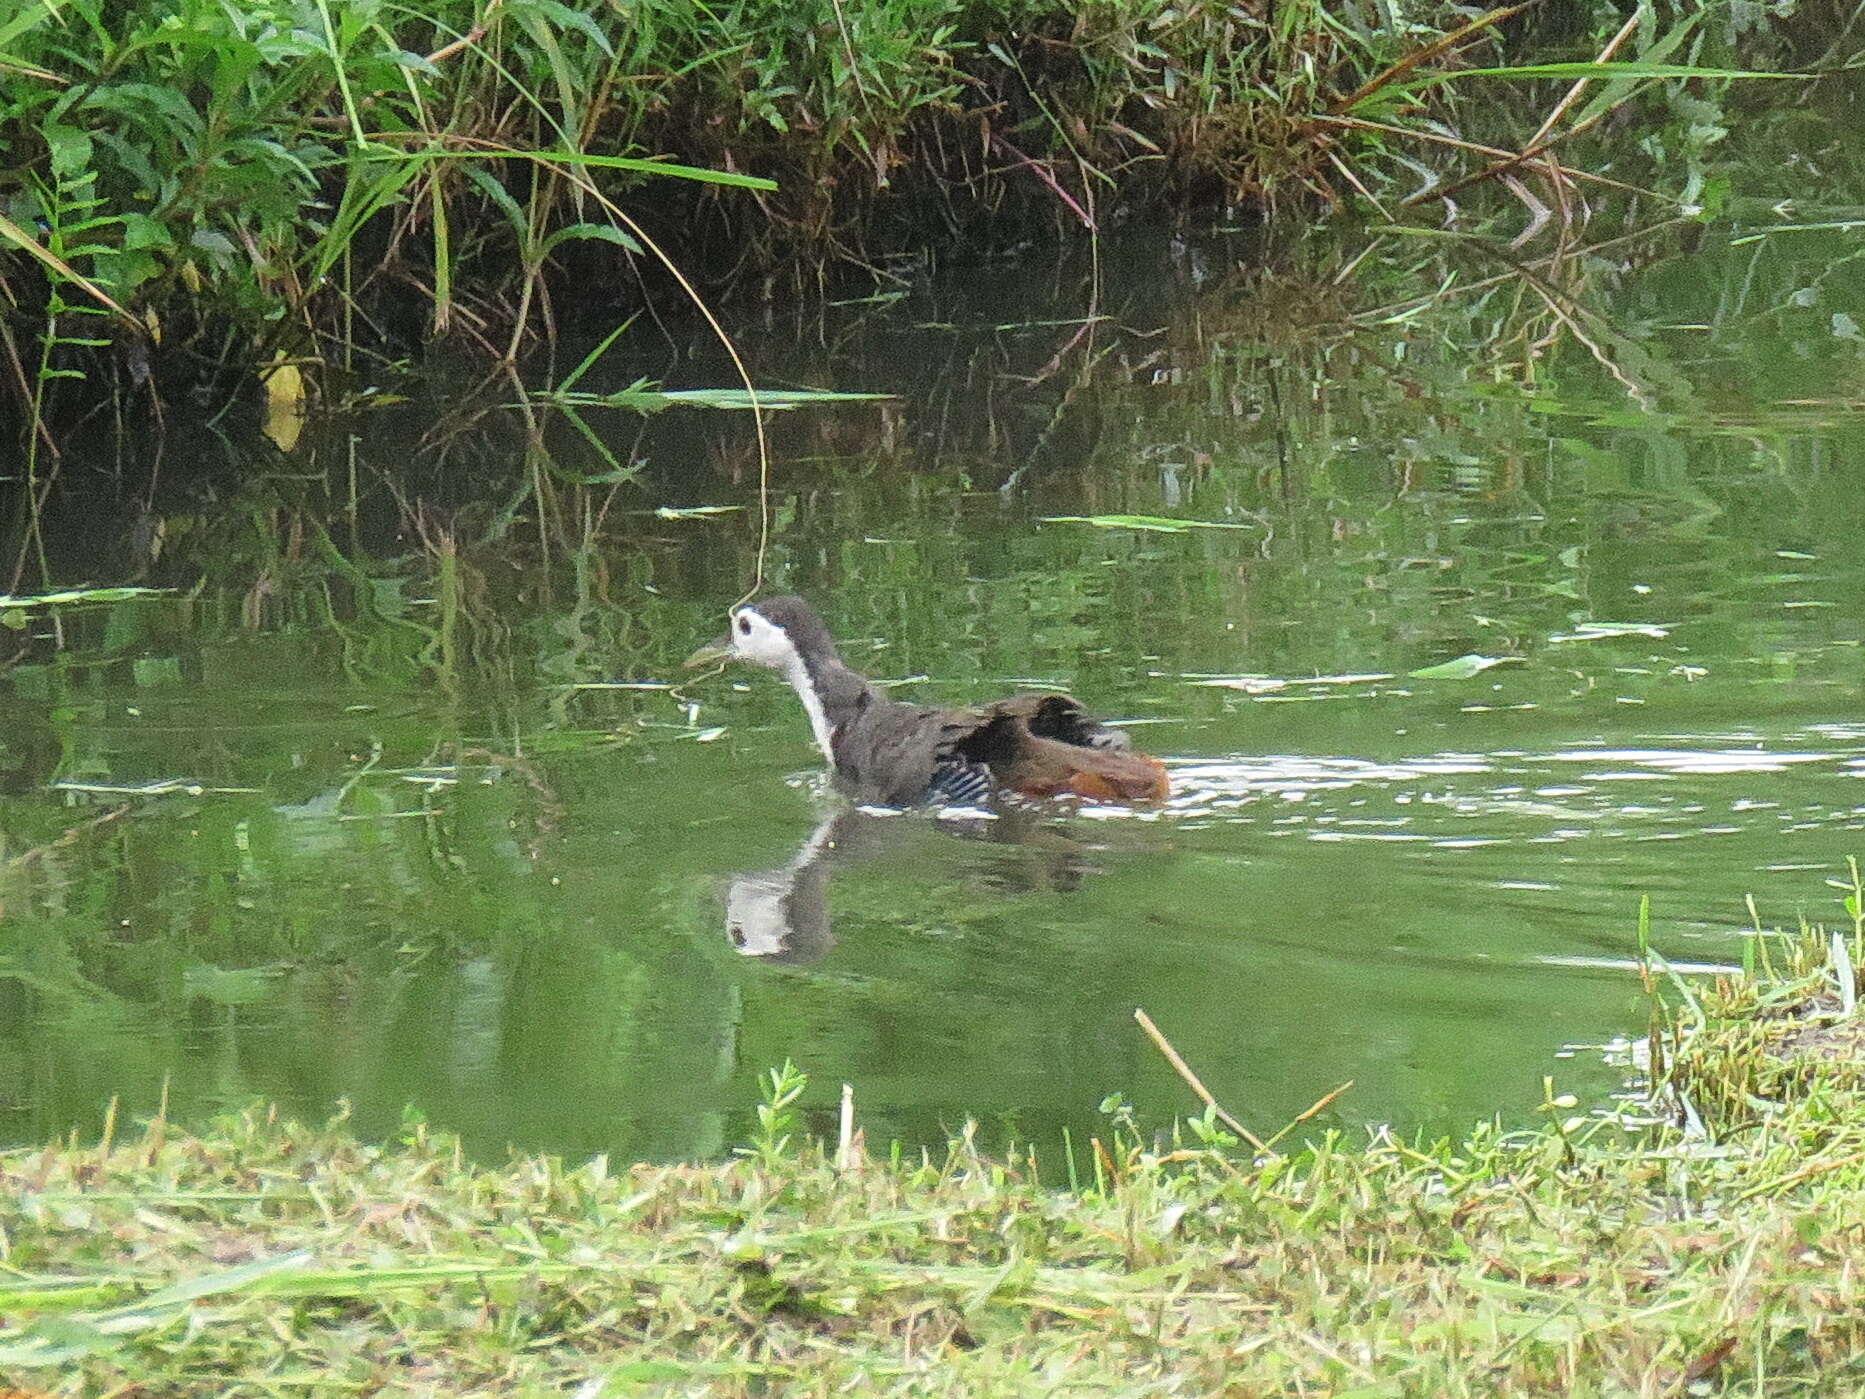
[(196, 188)]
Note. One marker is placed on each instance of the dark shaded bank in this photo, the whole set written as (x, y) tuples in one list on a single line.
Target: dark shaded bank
[(1583, 1257)]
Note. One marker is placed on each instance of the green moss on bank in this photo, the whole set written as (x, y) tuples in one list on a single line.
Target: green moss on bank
[(267, 1258)]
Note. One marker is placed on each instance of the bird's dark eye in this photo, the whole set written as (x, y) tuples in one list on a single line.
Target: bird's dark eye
[(744, 626)]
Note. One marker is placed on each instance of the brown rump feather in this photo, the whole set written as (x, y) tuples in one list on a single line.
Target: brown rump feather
[(1045, 746), (1042, 767)]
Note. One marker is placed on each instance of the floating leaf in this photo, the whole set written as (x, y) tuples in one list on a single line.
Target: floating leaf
[(693, 512), (117, 594), (644, 398), (1601, 631), (1267, 684), (1462, 668), (1161, 524)]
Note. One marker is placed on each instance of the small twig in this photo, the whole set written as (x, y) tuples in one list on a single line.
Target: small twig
[(1380, 314), (1347, 174), (1310, 1111), (1192, 1081), (1572, 94), (25, 389), (1335, 1354), (468, 39), (26, 70), (1043, 173), (1538, 213)]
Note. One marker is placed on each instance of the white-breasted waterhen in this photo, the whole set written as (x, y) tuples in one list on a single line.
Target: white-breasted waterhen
[(897, 754)]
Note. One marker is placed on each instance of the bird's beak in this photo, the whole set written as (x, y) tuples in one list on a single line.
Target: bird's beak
[(712, 652)]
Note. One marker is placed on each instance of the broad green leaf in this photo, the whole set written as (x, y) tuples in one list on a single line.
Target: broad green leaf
[(603, 232), (29, 17)]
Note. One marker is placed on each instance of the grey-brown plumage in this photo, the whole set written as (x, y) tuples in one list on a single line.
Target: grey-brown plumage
[(895, 754)]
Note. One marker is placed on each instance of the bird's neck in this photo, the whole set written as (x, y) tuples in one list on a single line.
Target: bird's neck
[(831, 693)]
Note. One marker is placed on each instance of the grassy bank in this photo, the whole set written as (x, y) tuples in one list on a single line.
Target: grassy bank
[(1721, 1254), (194, 190)]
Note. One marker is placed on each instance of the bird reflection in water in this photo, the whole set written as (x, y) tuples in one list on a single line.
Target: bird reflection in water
[(781, 915)]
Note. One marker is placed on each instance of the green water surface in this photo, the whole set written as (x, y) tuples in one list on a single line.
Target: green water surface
[(391, 803)]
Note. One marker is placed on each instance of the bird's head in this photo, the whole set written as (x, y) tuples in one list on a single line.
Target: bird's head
[(777, 633)]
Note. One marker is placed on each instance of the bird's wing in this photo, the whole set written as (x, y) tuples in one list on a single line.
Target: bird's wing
[(1062, 718)]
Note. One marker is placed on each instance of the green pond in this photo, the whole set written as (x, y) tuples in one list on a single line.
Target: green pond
[(400, 800)]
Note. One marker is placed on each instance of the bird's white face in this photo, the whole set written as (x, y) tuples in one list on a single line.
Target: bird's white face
[(756, 638)]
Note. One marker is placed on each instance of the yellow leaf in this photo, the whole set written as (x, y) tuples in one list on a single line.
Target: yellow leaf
[(284, 402)]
